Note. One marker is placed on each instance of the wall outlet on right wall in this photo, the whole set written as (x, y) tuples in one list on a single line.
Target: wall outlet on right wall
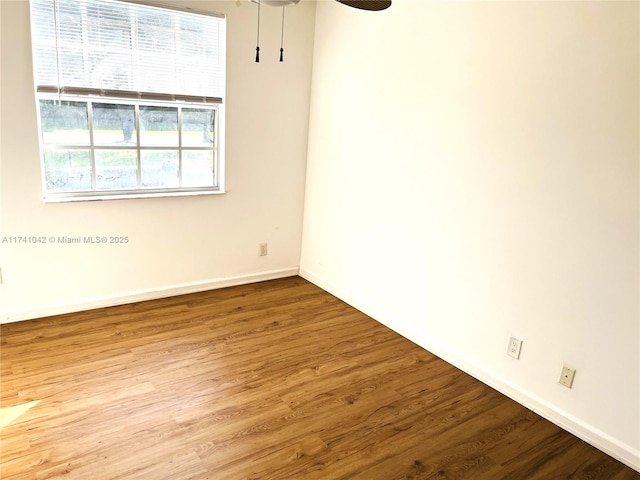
[(566, 377), (514, 347)]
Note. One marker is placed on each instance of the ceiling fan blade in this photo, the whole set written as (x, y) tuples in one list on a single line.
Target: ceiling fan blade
[(367, 4)]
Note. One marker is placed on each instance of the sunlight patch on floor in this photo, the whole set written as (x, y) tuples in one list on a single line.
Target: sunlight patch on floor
[(9, 414)]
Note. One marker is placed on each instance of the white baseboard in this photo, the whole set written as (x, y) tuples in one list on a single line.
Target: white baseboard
[(142, 295), (595, 437)]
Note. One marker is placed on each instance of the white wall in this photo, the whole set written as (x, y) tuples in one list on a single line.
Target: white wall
[(473, 173), (176, 244)]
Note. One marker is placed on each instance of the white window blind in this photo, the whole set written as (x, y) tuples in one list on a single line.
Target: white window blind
[(129, 50)]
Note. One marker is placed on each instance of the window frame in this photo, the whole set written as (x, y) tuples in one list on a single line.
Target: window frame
[(140, 192), (177, 100)]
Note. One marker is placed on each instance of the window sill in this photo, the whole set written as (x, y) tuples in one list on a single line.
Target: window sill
[(125, 196)]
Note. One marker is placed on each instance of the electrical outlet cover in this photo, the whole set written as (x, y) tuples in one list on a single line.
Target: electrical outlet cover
[(566, 377), (514, 347)]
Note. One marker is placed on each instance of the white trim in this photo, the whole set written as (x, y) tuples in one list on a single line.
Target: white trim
[(142, 295), (176, 8), (581, 429), (48, 198)]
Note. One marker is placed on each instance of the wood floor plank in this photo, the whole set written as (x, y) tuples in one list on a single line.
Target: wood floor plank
[(273, 380)]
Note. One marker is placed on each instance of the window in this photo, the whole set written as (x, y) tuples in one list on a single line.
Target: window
[(130, 99)]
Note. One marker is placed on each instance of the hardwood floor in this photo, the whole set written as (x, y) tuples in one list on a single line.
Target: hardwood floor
[(276, 380)]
